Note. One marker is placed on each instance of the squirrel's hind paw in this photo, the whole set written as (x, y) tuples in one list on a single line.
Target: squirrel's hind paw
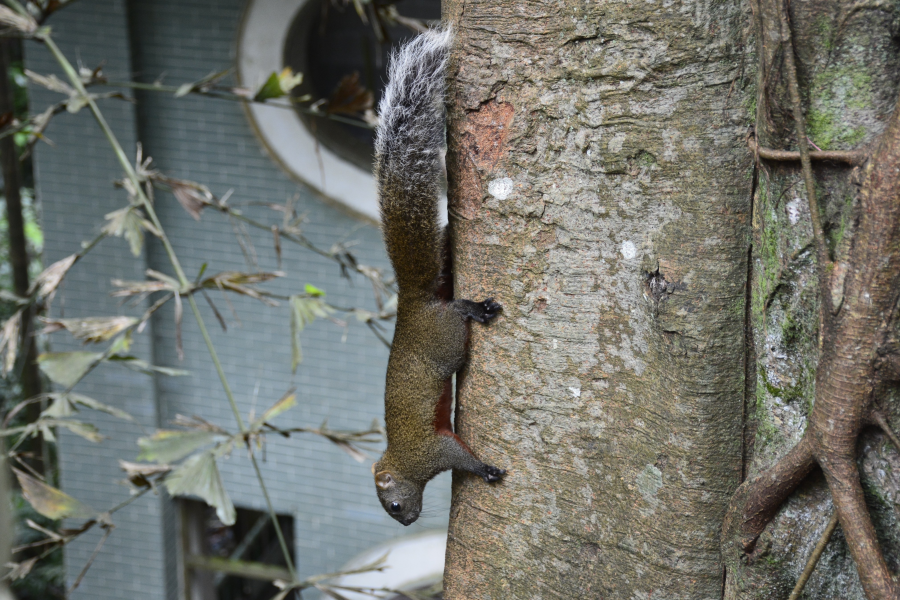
[(492, 474)]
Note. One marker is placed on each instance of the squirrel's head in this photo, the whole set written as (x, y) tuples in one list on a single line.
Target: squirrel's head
[(401, 498)]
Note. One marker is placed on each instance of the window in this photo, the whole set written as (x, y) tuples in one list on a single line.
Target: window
[(236, 562), (325, 41)]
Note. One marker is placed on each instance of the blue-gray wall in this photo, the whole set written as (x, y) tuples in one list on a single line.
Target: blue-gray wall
[(330, 495)]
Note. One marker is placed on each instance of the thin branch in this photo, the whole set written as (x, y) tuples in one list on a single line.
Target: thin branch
[(106, 532), (850, 157), (791, 69), (814, 557), (227, 94), (272, 514)]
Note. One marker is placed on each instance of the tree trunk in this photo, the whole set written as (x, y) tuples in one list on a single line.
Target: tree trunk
[(822, 324), (600, 189), (18, 246)]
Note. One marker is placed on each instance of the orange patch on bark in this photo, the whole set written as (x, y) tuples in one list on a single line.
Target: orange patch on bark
[(482, 137)]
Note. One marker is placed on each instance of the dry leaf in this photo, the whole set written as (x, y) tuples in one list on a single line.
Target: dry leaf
[(349, 97), (9, 341), (47, 282), (90, 329), (51, 502)]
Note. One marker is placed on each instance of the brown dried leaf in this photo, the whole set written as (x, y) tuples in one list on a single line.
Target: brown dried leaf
[(141, 474), (133, 288), (21, 569), (51, 502), (128, 223), (190, 199), (9, 341), (240, 283), (90, 329), (47, 282), (51, 82), (349, 97)]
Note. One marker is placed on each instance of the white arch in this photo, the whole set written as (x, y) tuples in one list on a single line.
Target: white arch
[(261, 43)]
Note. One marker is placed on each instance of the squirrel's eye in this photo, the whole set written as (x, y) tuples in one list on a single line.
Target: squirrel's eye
[(395, 507)]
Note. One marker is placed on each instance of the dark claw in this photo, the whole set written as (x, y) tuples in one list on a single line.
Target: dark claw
[(492, 474), (490, 310)]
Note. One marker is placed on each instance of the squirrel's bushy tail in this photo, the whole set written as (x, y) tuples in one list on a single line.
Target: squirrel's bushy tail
[(408, 144)]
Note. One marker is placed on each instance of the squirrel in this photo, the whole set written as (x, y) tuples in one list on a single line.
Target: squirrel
[(432, 329)]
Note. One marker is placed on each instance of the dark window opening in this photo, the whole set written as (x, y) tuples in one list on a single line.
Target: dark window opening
[(237, 562), (328, 41)]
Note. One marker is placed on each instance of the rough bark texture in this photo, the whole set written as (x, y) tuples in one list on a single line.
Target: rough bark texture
[(599, 186), (817, 340)]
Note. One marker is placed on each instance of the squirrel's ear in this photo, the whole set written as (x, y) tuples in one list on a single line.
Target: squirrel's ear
[(384, 480)]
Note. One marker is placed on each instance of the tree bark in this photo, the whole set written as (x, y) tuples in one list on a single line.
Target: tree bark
[(599, 186), (823, 322)]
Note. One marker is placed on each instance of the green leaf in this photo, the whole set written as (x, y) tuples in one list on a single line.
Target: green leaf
[(270, 89), (85, 430), (59, 408), (286, 402), (63, 405), (199, 476), (121, 344), (51, 502), (313, 290), (167, 445), (303, 312), (67, 368), (142, 366)]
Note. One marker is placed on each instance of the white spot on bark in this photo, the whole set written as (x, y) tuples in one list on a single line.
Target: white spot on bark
[(500, 188), (793, 210), (629, 250), (615, 144), (576, 392), (649, 482)]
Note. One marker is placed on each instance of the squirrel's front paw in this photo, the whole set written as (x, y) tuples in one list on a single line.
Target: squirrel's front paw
[(492, 474), (489, 310)]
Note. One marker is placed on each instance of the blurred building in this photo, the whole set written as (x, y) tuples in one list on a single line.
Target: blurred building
[(326, 499)]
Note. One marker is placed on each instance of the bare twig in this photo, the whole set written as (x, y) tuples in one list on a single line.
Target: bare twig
[(850, 157), (814, 557), (227, 94), (107, 530)]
